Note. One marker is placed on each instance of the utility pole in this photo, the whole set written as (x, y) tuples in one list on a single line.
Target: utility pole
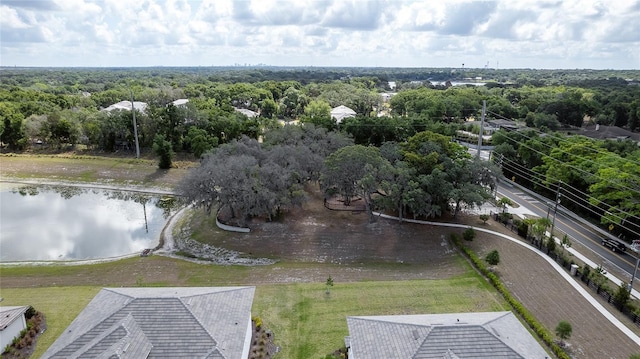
[(135, 125), (484, 111), (499, 163)]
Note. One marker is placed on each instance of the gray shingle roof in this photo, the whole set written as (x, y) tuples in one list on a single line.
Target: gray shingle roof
[(160, 323), (461, 335), (9, 314)]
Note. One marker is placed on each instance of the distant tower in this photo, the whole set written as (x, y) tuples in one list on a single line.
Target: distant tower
[(463, 66)]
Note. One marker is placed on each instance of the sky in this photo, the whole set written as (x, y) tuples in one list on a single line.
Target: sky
[(537, 34)]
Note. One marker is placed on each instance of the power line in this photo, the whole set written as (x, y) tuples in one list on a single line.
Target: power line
[(568, 165), (537, 179), (561, 139), (575, 196)]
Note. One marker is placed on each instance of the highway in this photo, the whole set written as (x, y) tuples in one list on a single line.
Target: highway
[(576, 230)]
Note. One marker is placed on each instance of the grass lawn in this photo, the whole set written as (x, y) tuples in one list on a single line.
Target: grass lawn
[(90, 169), (306, 322), (60, 306)]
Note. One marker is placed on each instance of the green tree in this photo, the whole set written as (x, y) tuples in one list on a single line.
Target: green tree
[(427, 150), (563, 331), (469, 234), (504, 202), (164, 150), (329, 284), (616, 190), (472, 182), (565, 243), (540, 226), (621, 296), (62, 130), (551, 244), (199, 141), (493, 258), (268, 108), (292, 103), (318, 113), (11, 127), (355, 171)]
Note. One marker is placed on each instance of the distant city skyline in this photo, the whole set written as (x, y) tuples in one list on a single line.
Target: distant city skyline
[(541, 34)]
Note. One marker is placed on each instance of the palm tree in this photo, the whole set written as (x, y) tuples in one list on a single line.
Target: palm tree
[(563, 331), (540, 227), (504, 202)]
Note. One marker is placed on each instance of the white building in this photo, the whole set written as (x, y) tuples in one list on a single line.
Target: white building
[(12, 322), (126, 105), (180, 102), (341, 112)]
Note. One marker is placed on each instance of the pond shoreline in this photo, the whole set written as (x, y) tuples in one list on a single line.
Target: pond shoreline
[(12, 182), (167, 246)]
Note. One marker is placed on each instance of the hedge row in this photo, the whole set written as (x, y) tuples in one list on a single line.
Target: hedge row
[(533, 323)]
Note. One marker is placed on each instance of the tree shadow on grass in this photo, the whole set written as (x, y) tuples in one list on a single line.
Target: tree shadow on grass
[(155, 176)]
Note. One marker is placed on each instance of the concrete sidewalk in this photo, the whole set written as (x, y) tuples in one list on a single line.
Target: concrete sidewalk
[(617, 323), (523, 212)]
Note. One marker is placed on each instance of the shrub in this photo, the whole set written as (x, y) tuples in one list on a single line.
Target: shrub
[(469, 234), (484, 218), (563, 330), (163, 149), (621, 296), (551, 245), (538, 328), (258, 322), (523, 228), (29, 313), (505, 217), (493, 258)]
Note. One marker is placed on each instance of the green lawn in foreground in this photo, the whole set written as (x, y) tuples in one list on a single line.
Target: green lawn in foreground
[(307, 323), (60, 306)]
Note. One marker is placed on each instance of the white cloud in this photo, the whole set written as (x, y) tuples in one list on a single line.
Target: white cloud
[(531, 33)]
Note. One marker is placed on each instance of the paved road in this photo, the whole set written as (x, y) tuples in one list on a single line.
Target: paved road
[(576, 230)]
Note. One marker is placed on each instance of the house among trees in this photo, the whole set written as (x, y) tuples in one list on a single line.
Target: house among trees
[(459, 335), (246, 112), (126, 105), (180, 102), (602, 132), (341, 112), (12, 322), (185, 322)]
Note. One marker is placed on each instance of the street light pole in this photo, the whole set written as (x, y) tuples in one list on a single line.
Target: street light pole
[(635, 271), (555, 208), (484, 110), (635, 248)]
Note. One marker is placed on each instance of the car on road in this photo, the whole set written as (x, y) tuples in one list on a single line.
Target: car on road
[(614, 244)]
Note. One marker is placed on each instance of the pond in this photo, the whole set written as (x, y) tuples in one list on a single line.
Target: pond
[(74, 223)]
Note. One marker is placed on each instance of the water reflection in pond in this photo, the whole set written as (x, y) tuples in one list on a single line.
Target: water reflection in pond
[(72, 223)]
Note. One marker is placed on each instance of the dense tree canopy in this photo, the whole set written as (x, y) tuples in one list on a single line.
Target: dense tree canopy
[(251, 179), (53, 109)]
